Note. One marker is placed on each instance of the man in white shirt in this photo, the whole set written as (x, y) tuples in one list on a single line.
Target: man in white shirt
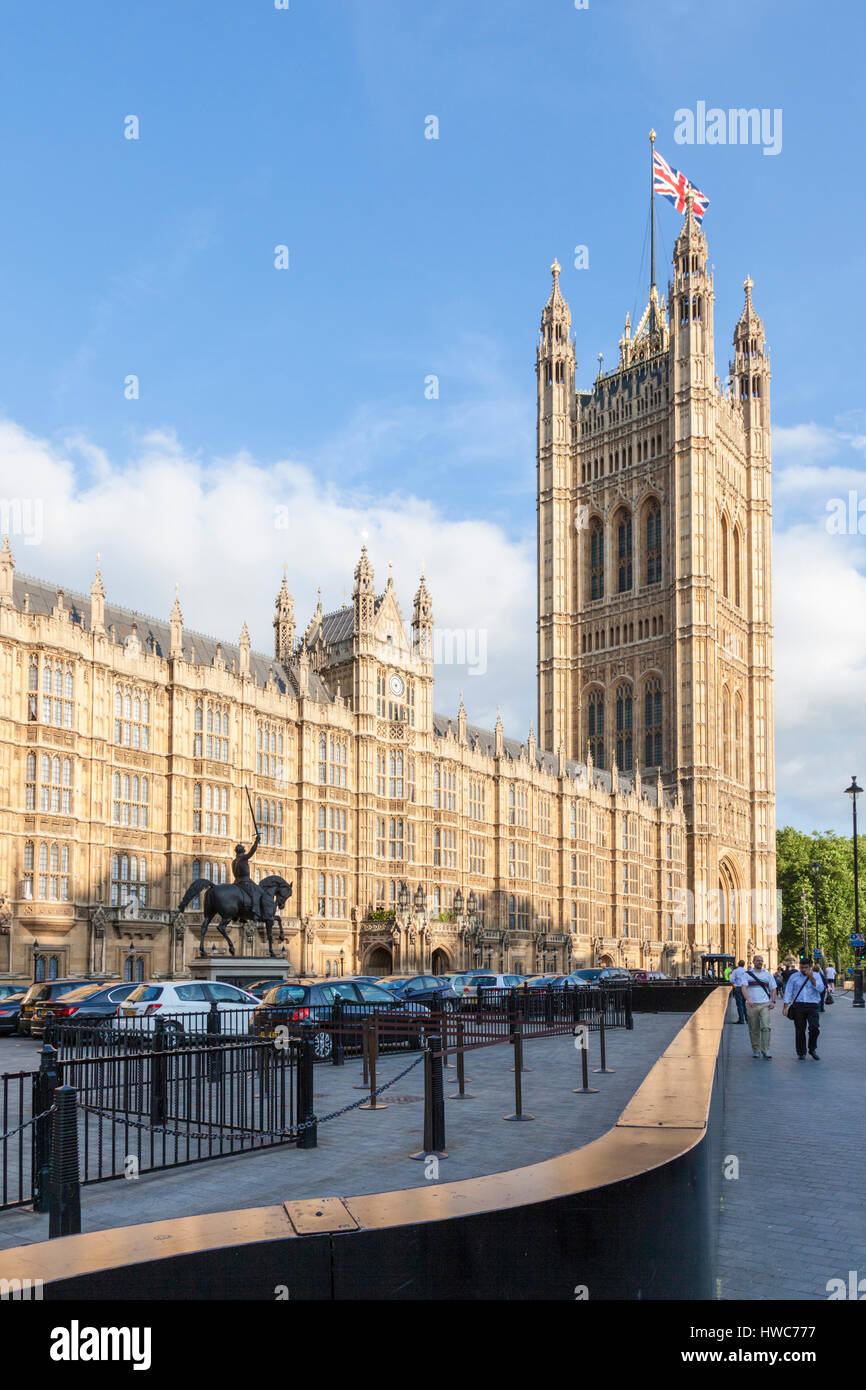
[(738, 978), (759, 992), (802, 996)]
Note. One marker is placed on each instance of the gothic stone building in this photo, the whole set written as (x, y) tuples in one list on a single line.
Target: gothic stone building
[(126, 746), (654, 582)]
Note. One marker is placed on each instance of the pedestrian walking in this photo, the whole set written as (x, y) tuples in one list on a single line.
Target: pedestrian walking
[(830, 974), (802, 998), (738, 979), (759, 989)]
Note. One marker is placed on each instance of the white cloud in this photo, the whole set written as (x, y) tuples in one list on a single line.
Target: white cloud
[(222, 529)]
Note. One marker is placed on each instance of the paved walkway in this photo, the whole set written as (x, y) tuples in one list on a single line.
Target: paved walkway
[(796, 1216), (363, 1152)]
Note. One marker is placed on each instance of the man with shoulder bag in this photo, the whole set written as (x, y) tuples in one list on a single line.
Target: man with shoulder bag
[(803, 994), (759, 996)]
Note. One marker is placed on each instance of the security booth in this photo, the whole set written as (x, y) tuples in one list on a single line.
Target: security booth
[(713, 967)]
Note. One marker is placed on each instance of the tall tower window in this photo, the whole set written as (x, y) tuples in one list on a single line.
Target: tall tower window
[(596, 559), (595, 727), (653, 543), (738, 737), (726, 731), (624, 723), (623, 553), (737, 566), (652, 721), (724, 555)]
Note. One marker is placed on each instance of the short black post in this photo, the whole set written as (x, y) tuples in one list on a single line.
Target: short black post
[(45, 1082), (308, 1137), (434, 1102), (214, 1056), (581, 1042), (338, 1055), (365, 1053), (604, 1067), (64, 1190), (629, 1021), (158, 1075), (373, 1053), (548, 1004), (462, 1093), (518, 1069), (575, 1004)]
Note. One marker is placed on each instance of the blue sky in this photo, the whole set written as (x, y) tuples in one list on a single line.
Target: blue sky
[(411, 257)]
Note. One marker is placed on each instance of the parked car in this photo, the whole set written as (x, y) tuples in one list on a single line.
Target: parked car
[(311, 1002), (6, 990), (459, 979), (93, 1003), (477, 984), (588, 975), (43, 990), (260, 987), (10, 1005), (643, 976), (421, 989), (184, 1004)]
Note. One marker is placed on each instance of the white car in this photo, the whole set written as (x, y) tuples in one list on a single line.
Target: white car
[(185, 1006), (481, 980)]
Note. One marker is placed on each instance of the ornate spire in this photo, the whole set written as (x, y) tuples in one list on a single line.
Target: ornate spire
[(422, 620), (7, 572), (461, 720), (498, 743), (176, 650), (97, 601), (364, 594), (244, 650), (284, 624)]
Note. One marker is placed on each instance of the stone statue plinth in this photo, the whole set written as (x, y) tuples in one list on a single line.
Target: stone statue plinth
[(240, 970)]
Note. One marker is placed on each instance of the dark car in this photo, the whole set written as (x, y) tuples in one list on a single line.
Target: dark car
[(93, 1003), (312, 1003), (42, 991), (419, 989), (260, 987), (13, 989), (9, 1007)]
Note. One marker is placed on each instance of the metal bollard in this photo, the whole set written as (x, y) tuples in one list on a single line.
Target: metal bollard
[(629, 1021), (581, 1042), (45, 1082), (434, 1103), (518, 1069), (337, 1046), (373, 1051), (308, 1137), (604, 1067), (363, 1084), (215, 1057), (64, 1190), (462, 1093)]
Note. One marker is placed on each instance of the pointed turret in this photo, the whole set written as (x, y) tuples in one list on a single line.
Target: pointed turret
[(244, 651), (176, 649), (498, 743), (422, 621), (750, 369), (97, 602), (363, 593), (692, 295), (461, 720), (284, 624), (7, 572)]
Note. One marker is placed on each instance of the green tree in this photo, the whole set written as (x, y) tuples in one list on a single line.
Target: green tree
[(796, 852)]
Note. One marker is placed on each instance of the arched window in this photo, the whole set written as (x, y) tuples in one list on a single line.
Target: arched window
[(653, 543), (738, 737), (652, 722), (726, 731), (40, 968), (53, 968), (724, 555), (595, 726), (623, 552), (624, 724), (596, 559), (737, 566)]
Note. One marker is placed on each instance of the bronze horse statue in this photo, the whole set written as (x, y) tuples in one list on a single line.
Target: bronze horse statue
[(230, 903)]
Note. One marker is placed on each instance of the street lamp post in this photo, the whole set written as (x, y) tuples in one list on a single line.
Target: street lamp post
[(816, 869), (854, 791)]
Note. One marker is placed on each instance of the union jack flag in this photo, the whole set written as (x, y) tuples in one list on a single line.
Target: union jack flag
[(670, 183)]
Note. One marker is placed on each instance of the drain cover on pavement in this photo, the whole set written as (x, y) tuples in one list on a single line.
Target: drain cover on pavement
[(400, 1100)]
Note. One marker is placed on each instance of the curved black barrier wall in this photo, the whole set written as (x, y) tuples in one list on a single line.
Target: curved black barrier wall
[(632, 1215)]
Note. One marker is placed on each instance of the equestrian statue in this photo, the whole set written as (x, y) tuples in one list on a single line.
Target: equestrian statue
[(242, 901)]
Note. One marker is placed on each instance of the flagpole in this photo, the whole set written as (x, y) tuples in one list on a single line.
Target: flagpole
[(652, 138)]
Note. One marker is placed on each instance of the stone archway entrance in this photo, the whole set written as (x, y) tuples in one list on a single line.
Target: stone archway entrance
[(380, 961), (440, 962), (605, 962), (728, 908)]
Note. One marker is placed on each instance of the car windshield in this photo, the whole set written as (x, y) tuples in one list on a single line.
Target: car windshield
[(371, 994), (392, 981), (72, 996), (144, 994), (287, 994)]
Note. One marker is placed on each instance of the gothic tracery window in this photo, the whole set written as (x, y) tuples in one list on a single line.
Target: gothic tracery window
[(596, 559), (653, 543), (624, 726), (595, 726), (623, 553)]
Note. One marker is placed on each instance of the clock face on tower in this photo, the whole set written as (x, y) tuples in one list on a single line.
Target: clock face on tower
[(396, 685)]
